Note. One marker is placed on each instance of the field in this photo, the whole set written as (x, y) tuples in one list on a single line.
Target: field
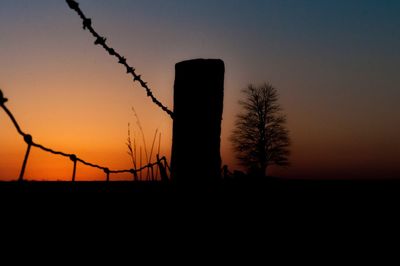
[(260, 189), (254, 207)]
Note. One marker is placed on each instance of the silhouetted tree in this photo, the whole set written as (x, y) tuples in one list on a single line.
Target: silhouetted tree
[(260, 137)]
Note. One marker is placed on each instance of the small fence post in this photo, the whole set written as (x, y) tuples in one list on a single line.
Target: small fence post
[(28, 140), (73, 159), (198, 105), (107, 172), (162, 169)]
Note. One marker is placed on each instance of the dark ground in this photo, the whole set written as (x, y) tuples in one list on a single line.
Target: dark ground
[(287, 210), (260, 191)]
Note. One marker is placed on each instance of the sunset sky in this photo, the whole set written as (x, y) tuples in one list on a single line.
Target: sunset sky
[(335, 64)]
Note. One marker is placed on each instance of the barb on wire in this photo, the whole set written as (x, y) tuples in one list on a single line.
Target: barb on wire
[(31, 143), (100, 40)]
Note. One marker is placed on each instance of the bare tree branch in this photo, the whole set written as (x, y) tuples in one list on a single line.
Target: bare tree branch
[(260, 137)]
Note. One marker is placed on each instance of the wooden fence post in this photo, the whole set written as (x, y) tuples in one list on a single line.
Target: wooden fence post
[(29, 141), (198, 106)]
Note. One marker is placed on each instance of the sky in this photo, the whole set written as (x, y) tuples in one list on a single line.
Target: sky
[(334, 62)]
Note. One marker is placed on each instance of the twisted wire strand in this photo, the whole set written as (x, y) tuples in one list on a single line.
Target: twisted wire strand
[(100, 40)]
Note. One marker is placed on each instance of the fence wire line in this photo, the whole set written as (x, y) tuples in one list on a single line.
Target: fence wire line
[(100, 40), (29, 141)]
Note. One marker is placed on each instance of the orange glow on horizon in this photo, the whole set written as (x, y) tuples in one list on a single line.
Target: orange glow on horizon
[(337, 80)]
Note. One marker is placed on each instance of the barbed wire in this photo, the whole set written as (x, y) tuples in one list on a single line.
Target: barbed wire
[(161, 162), (100, 40)]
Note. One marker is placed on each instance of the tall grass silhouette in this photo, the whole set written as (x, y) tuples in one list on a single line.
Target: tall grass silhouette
[(133, 145)]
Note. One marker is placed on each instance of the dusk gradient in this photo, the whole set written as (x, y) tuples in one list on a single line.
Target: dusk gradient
[(335, 64)]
